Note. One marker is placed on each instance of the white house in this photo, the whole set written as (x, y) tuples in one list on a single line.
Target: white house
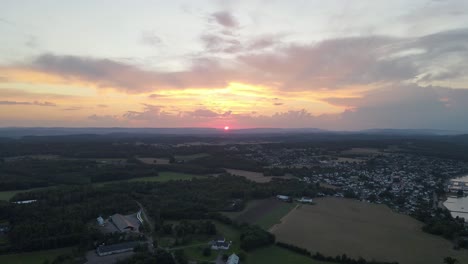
[(220, 243), (233, 259)]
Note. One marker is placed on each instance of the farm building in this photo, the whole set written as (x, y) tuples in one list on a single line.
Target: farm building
[(283, 198), (116, 248), (220, 243), (305, 200), (233, 259), (125, 223)]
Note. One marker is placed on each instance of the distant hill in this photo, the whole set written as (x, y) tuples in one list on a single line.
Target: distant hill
[(390, 131), (19, 132)]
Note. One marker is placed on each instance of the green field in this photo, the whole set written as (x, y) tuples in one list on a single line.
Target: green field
[(275, 254), (264, 213), (36, 257), (191, 157), (162, 177), (274, 216), (7, 195)]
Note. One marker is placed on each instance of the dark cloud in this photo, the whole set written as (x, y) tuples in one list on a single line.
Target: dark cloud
[(225, 19), (108, 73), (28, 103), (150, 112), (330, 64), (221, 43), (277, 104)]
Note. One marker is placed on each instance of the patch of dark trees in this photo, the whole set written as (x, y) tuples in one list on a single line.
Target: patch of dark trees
[(441, 223)]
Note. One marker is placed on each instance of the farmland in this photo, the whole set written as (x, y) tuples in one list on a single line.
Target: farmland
[(335, 226)]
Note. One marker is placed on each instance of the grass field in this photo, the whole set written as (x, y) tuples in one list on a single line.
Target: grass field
[(191, 157), (274, 216), (168, 176), (335, 226), (265, 213), (256, 176), (162, 177), (36, 257), (274, 254), (7, 195)]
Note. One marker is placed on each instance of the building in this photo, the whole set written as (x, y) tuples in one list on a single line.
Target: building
[(116, 248), (283, 198), (305, 200), (25, 202), (220, 243), (233, 259), (100, 221), (125, 223)]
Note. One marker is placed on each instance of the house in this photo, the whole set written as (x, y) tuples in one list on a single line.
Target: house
[(116, 248), (125, 223), (233, 259), (220, 243)]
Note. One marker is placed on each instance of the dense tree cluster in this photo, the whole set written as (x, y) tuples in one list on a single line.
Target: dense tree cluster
[(59, 217), (253, 237)]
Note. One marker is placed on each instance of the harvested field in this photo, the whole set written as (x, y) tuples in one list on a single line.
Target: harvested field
[(335, 226), (256, 176)]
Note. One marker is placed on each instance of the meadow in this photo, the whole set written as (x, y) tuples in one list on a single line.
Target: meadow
[(256, 176), (162, 177), (7, 195)]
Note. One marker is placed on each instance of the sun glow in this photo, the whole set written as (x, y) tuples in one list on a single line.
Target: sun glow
[(226, 128)]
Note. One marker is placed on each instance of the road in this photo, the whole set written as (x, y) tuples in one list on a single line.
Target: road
[(146, 219)]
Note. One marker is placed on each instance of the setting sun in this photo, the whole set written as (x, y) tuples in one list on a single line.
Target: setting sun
[(226, 128)]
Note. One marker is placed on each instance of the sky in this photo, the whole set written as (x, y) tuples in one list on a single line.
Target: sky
[(335, 64)]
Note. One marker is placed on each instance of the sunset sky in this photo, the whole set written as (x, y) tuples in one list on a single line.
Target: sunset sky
[(335, 64)]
